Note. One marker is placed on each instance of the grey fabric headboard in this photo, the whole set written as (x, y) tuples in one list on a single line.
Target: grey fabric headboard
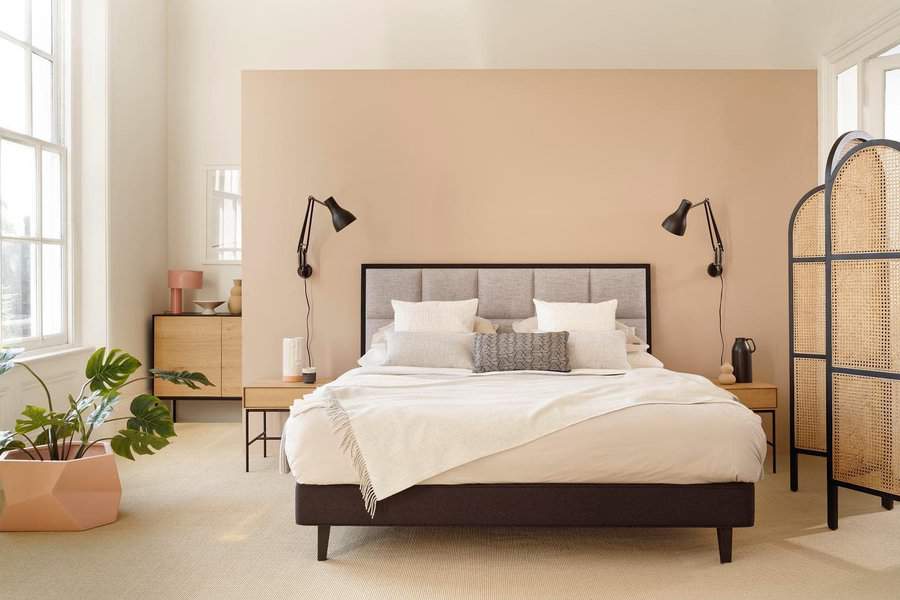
[(505, 291)]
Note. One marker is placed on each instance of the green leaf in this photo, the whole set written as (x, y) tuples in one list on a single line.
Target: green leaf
[(6, 358), (187, 378), (150, 416), (34, 417), (109, 371), (8, 441), (130, 442), (99, 415)]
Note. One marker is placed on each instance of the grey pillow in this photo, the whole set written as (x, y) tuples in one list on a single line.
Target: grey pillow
[(521, 352), (429, 349)]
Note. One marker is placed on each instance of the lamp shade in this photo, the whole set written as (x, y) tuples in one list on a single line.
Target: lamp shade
[(677, 222), (340, 217), (184, 279)]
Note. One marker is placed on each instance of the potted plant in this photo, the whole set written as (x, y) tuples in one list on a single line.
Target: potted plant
[(55, 473)]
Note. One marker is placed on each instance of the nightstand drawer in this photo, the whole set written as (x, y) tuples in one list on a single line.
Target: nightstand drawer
[(274, 397), (755, 396)]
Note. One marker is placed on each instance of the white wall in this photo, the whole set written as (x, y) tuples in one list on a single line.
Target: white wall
[(138, 229)]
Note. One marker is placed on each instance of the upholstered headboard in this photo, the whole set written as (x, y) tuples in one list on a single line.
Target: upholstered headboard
[(505, 291)]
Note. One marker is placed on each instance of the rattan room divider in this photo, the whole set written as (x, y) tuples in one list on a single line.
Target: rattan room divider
[(844, 277)]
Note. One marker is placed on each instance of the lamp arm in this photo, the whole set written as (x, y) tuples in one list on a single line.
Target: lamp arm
[(303, 269), (715, 240)]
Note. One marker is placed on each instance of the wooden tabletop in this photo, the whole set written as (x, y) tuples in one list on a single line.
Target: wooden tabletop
[(278, 383)]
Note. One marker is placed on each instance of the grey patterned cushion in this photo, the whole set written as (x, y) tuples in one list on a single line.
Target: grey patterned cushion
[(521, 352)]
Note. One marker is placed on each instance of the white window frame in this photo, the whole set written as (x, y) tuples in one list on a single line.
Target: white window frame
[(207, 197), (59, 125), (879, 38)]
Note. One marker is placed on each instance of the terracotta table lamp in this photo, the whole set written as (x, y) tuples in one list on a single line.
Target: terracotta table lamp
[(181, 280)]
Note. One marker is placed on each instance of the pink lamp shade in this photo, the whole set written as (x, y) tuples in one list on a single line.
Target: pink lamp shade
[(180, 279)]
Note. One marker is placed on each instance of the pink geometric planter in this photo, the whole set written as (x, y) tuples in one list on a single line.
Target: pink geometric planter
[(68, 495)]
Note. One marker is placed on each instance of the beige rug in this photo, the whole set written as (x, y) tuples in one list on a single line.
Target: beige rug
[(194, 525)]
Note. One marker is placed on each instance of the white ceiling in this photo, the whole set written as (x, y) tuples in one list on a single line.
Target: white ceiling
[(665, 34)]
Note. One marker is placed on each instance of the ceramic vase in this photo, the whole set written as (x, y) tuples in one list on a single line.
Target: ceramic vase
[(234, 298)]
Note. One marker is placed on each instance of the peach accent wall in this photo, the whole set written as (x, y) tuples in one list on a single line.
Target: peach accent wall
[(526, 166)]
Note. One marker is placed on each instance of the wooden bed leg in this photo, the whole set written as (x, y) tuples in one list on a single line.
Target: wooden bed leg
[(795, 484), (887, 503), (324, 532), (724, 535), (832, 506)]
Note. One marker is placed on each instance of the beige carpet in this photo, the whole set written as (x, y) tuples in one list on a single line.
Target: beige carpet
[(194, 525)]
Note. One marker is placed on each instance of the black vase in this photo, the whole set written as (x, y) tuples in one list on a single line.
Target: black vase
[(742, 359)]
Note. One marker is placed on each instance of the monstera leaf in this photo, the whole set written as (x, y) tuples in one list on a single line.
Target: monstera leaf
[(182, 378), (107, 371), (34, 417), (99, 415), (150, 416), (6, 358), (130, 442)]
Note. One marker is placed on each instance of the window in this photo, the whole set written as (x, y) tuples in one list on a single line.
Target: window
[(859, 85), (223, 216), (33, 161), (847, 100)]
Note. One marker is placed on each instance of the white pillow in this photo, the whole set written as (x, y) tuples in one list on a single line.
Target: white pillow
[(597, 350), (429, 349), (375, 357), (435, 316), (576, 316), (482, 325), (643, 360), (634, 343)]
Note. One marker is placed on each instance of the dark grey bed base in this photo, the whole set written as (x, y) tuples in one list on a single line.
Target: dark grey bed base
[(722, 506)]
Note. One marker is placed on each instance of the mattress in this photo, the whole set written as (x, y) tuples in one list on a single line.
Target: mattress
[(648, 443)]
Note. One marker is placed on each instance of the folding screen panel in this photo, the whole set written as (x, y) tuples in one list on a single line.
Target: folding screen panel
[(862, 342)]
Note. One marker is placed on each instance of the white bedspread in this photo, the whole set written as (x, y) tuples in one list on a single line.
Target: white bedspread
[(402, 427)]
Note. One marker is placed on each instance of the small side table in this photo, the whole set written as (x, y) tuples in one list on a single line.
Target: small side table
[(760, 398), (267, 396)]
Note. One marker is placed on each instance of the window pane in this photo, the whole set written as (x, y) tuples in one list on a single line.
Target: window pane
[(51, 195), (847, 101), (892, 52), (18, 291), (12, 18), (17, 182), (52, 289), (13, 108), (892, 105), (42, 25), (42, 97)]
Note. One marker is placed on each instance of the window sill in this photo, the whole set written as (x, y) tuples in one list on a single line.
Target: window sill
[(41, 354)]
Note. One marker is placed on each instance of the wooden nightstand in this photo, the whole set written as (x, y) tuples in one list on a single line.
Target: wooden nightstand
[(267, 396), (760, 398)]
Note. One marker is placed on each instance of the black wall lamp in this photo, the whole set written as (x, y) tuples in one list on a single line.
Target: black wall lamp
[(677, 223), (340, 218)]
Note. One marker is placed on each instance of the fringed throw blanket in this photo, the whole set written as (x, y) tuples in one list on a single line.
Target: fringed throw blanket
[(402, 428)]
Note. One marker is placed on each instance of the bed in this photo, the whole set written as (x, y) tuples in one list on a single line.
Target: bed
[(684, 456)]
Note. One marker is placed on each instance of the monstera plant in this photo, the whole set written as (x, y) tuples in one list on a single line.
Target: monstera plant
[(65, 433)]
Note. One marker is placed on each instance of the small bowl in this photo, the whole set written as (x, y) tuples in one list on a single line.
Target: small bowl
[(209, 306)]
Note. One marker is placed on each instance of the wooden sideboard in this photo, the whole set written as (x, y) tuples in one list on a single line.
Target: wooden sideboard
[(193, 342)]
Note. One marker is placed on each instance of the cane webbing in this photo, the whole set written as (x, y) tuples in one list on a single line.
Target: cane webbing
[(866, 431), (809, 227), (808, 304), (864, 322), (809, 404), (865, 314), (865, 202)]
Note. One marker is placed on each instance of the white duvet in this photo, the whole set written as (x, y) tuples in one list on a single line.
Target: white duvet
[(390, 428)]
